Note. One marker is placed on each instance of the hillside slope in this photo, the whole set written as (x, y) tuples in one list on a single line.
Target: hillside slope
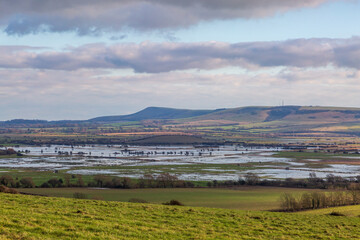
[(30, 217), (245, 114), (154, 113), (286, 113)]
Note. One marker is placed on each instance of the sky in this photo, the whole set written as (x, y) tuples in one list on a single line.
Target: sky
[(87, 58)]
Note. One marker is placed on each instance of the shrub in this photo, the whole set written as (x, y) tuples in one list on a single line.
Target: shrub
[(27, 182), (79, 195), (45, 185), (137, 200), (5, 189), (54, 182), (8, 151), (174, 203), (252, 178), (289, 203), (336, 214), (7, 181), (166, 180)]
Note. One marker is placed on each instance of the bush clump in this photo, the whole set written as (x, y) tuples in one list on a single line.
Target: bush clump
[(336, 214), (174, 203), (137, 200), (79, 195), (5, 189)]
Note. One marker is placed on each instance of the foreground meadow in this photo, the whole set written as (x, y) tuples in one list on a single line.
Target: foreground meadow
[(32, 217)]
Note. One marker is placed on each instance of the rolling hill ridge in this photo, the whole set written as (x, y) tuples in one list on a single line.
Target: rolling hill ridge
[(278, 118), (244, 114), (155, 113)]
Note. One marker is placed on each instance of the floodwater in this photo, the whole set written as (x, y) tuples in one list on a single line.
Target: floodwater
[(178, 158)]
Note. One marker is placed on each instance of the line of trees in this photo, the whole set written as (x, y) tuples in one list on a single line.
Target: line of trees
[(9, 151), (251, 179), (166, 180), (315, 200), (8, 181), (329, 182)]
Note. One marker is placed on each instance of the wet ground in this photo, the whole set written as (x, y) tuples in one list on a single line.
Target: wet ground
[(187, 162)]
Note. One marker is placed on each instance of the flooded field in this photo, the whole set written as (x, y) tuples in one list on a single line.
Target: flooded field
[(187, 162)]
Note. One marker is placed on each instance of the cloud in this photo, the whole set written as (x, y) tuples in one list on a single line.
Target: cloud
[(94, 17), (149, 57), (49, 94)]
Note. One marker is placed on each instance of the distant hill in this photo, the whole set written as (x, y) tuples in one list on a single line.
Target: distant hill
[(24, 121), (285, 113), (40, 123), (155, 113), (244, 114)]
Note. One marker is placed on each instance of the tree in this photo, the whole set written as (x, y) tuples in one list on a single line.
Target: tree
[(100, 180), (288, 202), (314, 180), (166, 180), (27, 182), (252, 178), (149, 180), (80, 182), (67, 180), (354, 191), (54, 182), (7, 181), (126, 182)]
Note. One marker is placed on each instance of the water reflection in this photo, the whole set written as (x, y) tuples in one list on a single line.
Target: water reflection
[(60, 157)]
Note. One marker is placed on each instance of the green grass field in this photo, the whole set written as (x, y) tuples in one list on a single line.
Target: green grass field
[(31, 217), (39, 176), (245, 198), (350, 211)]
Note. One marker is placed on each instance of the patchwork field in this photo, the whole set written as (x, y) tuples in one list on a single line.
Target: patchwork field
[(205, 148), (251, 125)]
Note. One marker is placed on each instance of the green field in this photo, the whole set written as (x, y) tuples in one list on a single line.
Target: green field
[(31, 217), (39, 176), (349, 211), (245, 198)]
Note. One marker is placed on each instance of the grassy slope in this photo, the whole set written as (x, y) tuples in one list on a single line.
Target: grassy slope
[(350, 211), (155, 113), (287, 118), (244, 198), (29, 217)]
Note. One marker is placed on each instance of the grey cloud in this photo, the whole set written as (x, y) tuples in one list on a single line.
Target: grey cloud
[(165, 57), (348, 55), (48, 94), (94, 17)]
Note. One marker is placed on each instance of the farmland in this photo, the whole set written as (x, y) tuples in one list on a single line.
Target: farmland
[(209, 160), (243, 198), (31, 217), (297, 125), (349, 211)]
